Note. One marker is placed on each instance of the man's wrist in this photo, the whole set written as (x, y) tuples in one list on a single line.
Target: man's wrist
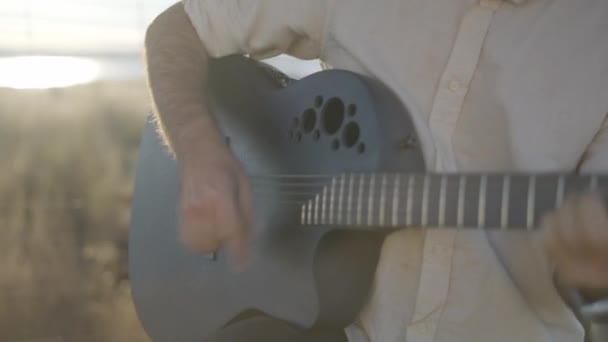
[(195, 137)]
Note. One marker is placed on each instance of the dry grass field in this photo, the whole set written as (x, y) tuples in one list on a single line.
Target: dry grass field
[(67, 159)]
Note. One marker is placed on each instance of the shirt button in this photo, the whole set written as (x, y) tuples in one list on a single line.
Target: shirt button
[(454, 85), (491, 4)]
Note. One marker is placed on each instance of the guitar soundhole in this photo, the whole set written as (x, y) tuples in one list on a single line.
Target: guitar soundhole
[(309, 120), (350, 134), (333, 115), (332, 120)]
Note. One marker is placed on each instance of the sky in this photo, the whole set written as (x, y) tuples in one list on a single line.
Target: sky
[(94, 28), (83, 26)]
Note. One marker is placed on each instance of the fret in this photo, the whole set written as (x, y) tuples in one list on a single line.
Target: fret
[(341, 199), (396, 200), (410, 198), (349, 210), (492, 198), (545, 195), (370, 203), (462, 183), (323, 205), (310, 212), (531, 199), (425, 201), (317, 209), (332, 199), (360, 199), (382, 199), (442, 190), (561, 185), (303, 214), (504, 206), (481, 206)]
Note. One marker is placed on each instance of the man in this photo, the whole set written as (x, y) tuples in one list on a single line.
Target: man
[(493, 85)]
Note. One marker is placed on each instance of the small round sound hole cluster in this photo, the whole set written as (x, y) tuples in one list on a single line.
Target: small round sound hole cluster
[(329, 118)]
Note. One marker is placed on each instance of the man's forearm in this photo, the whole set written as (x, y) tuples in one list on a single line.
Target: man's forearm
[(176, 62)]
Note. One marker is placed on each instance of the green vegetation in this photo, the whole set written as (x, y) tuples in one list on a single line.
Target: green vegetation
[(67, 159)]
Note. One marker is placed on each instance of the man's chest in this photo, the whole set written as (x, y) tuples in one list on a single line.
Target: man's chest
[(493, 86)]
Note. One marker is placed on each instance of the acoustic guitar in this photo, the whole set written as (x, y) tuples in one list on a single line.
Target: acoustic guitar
[(334, 164)]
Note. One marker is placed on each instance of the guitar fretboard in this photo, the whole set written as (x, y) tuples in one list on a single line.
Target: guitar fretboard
[(450, 200)]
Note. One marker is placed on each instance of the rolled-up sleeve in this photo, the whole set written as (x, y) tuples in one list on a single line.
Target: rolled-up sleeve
[(260, 28)]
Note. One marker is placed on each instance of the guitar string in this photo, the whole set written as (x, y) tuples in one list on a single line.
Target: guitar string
[(401, 209), (421, 173), (414, 224), (299, 180), (297, 190), (312, 188), (309, 191), (375, 218), (286, 198), (302, 198)]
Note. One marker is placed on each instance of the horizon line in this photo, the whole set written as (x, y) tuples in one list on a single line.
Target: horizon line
[(75, 53)]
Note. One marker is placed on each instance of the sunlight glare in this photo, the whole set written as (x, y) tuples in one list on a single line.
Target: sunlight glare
[(41, 72)]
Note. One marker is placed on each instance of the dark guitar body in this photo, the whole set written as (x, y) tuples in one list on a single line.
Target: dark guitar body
[(310, 277)]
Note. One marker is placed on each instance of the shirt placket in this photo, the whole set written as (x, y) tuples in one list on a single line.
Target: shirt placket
[(447, 105), (455, 81)]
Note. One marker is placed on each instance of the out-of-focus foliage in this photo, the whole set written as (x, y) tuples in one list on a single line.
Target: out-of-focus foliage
[(67, 159)]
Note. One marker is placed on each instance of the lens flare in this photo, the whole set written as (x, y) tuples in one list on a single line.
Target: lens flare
[(41, 72)]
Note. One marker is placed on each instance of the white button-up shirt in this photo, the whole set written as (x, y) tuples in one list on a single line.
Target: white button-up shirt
[(493, 85)]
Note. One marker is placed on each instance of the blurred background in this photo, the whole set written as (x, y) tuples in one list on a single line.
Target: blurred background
[(73, 103)]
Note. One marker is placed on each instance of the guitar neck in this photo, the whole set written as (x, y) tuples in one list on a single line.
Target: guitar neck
[(501, 201)]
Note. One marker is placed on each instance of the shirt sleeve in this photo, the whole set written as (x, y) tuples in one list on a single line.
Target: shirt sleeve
[(260, 28)]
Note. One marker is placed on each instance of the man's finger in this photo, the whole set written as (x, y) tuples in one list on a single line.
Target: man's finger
[(199, 236), (566, 229), (583, 273), (549, 235), (594, 230), (233, 232), (246, 201)]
